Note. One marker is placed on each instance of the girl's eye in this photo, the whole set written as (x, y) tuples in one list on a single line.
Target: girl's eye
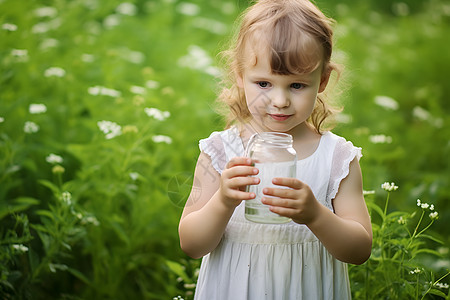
[(263, 84), (297, 86)]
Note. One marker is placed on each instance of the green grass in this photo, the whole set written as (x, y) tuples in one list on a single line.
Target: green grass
[(102, 223)]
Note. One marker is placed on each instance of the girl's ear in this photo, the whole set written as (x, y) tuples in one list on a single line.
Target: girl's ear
[(324, 79)]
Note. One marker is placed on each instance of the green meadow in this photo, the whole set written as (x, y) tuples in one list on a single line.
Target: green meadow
[(102, 104)]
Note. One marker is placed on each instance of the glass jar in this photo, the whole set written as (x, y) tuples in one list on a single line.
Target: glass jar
[(273, 155)]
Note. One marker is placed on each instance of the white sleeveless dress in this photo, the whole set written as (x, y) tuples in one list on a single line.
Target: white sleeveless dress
[(277, 261)]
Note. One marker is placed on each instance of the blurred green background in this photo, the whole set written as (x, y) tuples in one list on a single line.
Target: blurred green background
[(99, 220)]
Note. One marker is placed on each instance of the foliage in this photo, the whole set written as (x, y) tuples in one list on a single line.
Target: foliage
[(397, 268), (102, 104)]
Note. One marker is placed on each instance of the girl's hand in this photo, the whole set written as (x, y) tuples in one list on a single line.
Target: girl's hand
[(235, 178), (298, 202)]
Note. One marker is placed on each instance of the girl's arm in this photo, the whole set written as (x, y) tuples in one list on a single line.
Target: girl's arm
[(211, 203), (346, 233)]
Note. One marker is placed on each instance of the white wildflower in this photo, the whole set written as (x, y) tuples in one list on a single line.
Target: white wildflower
[(189, 285), (138, 90), (127, 8), (20, 55), (415, 271), (110, 129), (30, 127), (37, 108), (151, 84), (87, 58), (90, 220), (134, 176), (2, 119), (46, 11), (54, 159), (198, 59), (104, 91), (419, 203), (9, 27), (48, 43), (111, 21), (20, 248), (188, 9), (386, 102), (54, 72), (368, 193), (156, 113), (434, 215), (432, 207), (401, 221), (66, 198), (44, 27), (389, 187), (441, 285), (380, 139), (424, 205), (162, 139), (424, 115), (210, 25)]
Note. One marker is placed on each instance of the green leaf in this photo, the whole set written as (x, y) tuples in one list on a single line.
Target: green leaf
[(437, 293), (46, 213), (432, 238), (51, 186), (19, 204), (178, 269)]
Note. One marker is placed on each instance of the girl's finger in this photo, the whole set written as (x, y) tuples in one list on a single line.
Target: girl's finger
[(279, 192), (238, 182), (239, 161), (288, 182), (241, 171)]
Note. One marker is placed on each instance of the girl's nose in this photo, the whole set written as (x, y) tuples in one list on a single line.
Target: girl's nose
[(280, 99)]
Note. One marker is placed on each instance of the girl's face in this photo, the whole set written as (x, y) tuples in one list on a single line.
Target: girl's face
[(276, 102)]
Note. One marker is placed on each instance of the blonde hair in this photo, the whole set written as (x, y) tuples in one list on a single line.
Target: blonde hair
[(287, 29)]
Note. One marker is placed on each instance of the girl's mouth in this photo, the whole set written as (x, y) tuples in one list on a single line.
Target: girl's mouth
[(279, 117)]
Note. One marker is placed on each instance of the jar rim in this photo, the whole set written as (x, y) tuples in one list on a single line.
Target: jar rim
[(279, 139)]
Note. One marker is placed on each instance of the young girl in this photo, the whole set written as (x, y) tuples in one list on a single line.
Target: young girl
[(280, 65)]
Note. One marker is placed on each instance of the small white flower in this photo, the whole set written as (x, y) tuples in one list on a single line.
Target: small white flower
[(9, 27), (20, 55), (20, 248), (37, 108), (432, 207), (188, 9), (401, 221), (156, 113), (48, 43), (415, 271), (189, 285), (127, 8), (419, 203), (110, 129), (104, 91), (380, 139), (90, 220), (151, 84), (87, 58), (111, 21), (134, 176), (386, 102), (138, 90), (162, 139), (442, 285), (46, 11), (54, 159), (66, 198), (30, 127), (389, 187), (424, 205), (55, 72), (2, 119), (368, 193), (434, 215)]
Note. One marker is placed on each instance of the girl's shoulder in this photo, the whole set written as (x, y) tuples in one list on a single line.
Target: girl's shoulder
[(221, 146)]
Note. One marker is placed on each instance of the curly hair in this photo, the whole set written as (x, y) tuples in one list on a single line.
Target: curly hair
[(298, 37)]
